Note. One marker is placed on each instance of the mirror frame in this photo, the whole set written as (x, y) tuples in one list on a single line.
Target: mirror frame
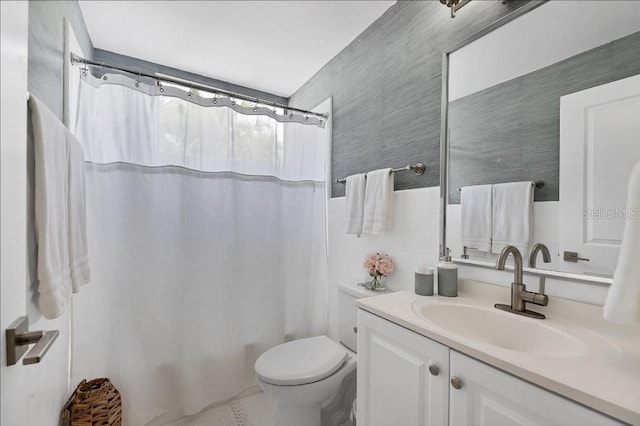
[(444, 152), (444, 122)]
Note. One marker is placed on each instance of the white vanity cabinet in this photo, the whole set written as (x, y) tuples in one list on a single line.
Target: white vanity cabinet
[(395, 384), (397, 388), (490, 397)]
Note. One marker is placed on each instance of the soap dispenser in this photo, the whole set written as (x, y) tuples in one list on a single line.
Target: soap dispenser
[(447, 276)]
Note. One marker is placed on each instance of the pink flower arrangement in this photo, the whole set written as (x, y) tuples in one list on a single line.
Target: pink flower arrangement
[(378, 266)]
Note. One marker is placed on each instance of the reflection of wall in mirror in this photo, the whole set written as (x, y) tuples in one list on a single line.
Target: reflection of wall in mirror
[(552, 32), (486, 116), (511, 131), (481, 143)]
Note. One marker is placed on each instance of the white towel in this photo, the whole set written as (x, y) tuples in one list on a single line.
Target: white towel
[(476, 203), (623, 298), (60, 211), (354, 200), (378, 202), (77, 217), (512, 221)]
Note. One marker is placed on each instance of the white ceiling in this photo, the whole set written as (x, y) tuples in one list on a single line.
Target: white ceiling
[(273, 46)]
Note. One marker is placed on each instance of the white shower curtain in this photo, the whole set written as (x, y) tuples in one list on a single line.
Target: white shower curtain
[(207, 243)]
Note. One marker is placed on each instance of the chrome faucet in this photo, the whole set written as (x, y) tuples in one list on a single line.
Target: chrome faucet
[(546, 257), (519, 295)]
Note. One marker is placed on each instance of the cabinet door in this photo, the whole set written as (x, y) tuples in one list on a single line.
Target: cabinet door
[(395, 386), (490, 397)]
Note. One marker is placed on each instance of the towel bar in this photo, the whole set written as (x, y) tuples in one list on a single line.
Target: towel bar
[(538, 184), (417, 168)]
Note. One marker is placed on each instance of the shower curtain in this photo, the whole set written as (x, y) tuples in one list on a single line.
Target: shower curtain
[(207, 244)]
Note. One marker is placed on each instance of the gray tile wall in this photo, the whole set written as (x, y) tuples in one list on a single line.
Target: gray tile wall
[(511, 132), (386, 88)]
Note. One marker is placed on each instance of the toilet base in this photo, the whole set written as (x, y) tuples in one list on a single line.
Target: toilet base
[(290, 414)]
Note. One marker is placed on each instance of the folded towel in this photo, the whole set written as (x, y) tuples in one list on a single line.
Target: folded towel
[(60, 213), (512, 221), (477, 212), (623, 298), (378, 202), (354, 200)]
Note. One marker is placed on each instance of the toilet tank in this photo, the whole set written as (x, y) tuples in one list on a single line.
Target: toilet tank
[(348, 292)]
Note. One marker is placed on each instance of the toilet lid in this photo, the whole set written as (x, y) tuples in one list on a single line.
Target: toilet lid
[(301, 361)]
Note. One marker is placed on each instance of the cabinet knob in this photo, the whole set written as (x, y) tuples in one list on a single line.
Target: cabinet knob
[(434, 370), (456, 382), (355, 329)]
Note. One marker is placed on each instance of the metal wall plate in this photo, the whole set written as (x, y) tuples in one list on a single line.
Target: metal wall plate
[(15, 351)]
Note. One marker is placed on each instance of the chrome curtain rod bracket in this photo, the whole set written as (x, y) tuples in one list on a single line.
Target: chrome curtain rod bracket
[(78, 60), (456, 5), (417, 168), (538, 184)]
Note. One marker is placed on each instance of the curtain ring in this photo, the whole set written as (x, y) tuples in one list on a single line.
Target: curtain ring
[(215, 99), (138, 81), (255, 108), (161, 89), (104, 73)]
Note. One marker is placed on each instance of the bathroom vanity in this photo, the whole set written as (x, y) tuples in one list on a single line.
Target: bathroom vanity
[(459, 361)]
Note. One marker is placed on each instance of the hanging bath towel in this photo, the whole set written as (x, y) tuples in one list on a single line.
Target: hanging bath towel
[(60, 212), (378, 202), (476, 203), (512, 216), (354, 203)]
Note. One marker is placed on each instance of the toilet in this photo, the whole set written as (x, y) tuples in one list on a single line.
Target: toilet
[(303, 375)]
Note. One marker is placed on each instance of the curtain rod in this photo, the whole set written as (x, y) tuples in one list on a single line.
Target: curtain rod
[(76, 60)]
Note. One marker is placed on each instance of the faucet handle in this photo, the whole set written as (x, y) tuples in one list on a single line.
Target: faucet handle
[(540, 299), (535, 298)]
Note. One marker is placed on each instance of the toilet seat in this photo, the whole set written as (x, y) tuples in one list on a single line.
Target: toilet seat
[(301, 361)]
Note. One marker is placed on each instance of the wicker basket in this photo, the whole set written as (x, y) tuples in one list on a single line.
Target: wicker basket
[(94, 402)]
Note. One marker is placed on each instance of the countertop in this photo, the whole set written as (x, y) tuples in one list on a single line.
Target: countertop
[(605, 378)]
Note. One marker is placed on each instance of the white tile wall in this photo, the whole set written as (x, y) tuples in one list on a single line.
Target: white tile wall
[(545, 230), (412, 241)]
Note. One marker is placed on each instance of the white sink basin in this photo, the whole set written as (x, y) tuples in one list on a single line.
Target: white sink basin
[(501, 329)]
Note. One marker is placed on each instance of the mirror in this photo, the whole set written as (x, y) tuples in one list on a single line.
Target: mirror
[(502, 94)]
